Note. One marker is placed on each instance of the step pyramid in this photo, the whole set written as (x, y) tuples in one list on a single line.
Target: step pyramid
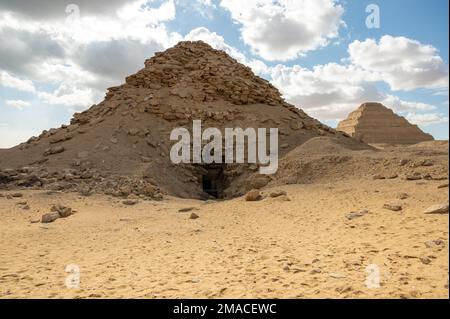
[(374, 123)]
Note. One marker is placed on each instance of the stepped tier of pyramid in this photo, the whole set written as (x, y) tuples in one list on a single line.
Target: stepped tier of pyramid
[(374, 123), (121, 146)]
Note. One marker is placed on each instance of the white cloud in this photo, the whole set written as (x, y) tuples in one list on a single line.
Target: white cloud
[(218, 42), (403, 63), (286, 29), (426, 119), (9, 81), (331, 91), (85, 56), (18, 104)]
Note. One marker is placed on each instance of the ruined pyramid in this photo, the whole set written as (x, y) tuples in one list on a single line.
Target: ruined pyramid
[(374, 123), (121, 146)]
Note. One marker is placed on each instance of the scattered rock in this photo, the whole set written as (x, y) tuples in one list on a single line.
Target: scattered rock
[(130, 202), (50, 217), (194, 216), (437, 209), (437, 244), (278, 193), (396, 207), (54, 150), (443, 185), (16, 195), (414, 177), (253, 195), (63, 211), (425, 260), (353, 215), (378, 176), (403, 196)]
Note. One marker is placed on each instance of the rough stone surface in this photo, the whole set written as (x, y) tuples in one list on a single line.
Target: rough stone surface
[(375, 123)]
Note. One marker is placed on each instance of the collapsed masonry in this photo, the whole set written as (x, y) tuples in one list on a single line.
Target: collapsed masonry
[(121, 146)]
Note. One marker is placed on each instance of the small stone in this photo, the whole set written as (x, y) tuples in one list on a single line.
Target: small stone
[(435, 244), (337, 276), (130, 202), (315, 271), (414, 177), (394, 207), (63, 211), (253, 195), (16, 195), (437, 209), (403, 196), (425, 260), (278, 193), (49, 218), (54, 150), (194, 216), (378, 176), (113, 140), (353, 215), (443, 185), (34, 221)]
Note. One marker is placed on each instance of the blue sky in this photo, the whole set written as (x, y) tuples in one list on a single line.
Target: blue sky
[(319, 53)]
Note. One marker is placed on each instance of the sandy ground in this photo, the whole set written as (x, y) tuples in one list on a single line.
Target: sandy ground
[(303, 248)]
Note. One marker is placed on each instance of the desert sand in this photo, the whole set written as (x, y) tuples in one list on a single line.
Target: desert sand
[(273, 248)]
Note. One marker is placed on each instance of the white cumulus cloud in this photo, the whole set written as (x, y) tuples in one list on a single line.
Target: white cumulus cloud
[(403, 63), (285, 29)]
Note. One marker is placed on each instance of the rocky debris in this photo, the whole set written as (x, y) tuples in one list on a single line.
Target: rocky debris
[(403, 196), (437, 209), (378, 176), (130, 202), (62, 210), (445, 185), (354, 215), (278, 193), (23, 205), (194, 216), (50, 217), (54, 150), (375, 123), (425, 260), (253, 195), (436, 244), (282, 198), (414, 177), (395, 207)]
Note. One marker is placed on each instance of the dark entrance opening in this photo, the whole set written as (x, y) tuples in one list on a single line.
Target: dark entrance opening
[(214, 180)]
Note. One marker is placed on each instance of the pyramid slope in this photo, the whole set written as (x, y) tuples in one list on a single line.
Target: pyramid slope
[(374, 123), (121, 146)]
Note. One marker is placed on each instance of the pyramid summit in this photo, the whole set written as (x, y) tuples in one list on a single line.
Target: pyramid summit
[(122, 145), (375, 123)]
